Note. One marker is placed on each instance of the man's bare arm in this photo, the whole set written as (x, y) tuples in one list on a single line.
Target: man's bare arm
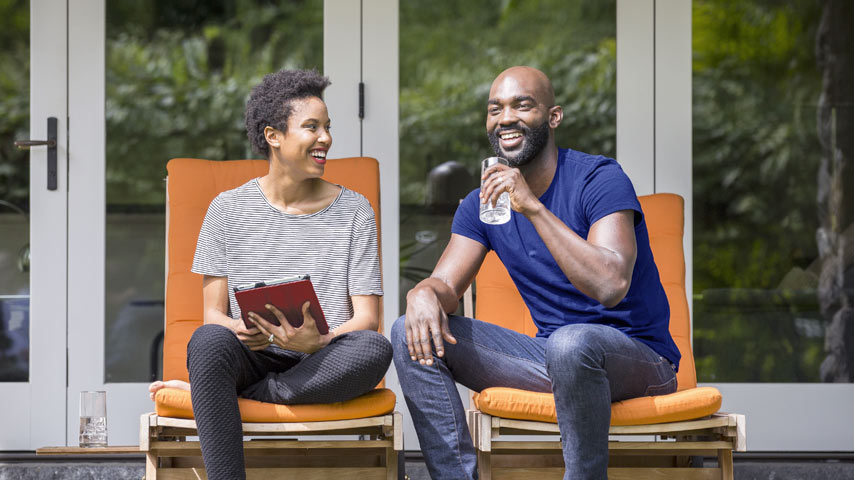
[(601, 266)]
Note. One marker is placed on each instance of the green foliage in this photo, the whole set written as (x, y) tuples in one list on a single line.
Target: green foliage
[(756, 153), (763, 34), (451, 52), (758, 335), (178, 74), (756, 157), (178, 79), (14, 102)]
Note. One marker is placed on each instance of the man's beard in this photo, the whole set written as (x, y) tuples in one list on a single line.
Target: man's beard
[(534, 140)]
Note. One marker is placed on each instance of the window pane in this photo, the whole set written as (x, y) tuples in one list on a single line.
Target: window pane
[(178, 75), (14, 192), (449, 54), (773, 231)]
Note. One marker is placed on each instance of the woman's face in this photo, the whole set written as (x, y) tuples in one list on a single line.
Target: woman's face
[(307, 140)]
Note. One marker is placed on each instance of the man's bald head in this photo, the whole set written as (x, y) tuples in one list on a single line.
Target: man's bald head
[(529, 79)]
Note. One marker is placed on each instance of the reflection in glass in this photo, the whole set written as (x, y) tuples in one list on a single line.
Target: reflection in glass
[(178, 76), (773, 222), (14, 192), (450, 53)]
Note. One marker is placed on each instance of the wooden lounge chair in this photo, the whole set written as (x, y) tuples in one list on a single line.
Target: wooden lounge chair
[(192, 184), (682, 425)]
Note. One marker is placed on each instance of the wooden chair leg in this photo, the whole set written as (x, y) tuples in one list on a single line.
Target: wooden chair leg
[(391, 463), (725, 464), (484, 465), (150, 466)]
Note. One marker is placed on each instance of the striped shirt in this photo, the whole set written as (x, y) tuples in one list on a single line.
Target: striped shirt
[(248, 240)]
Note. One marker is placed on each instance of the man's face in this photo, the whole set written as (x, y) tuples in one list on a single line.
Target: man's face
[(517, 120)]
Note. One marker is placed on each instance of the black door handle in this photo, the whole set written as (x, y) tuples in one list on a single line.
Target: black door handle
[(51, 150)]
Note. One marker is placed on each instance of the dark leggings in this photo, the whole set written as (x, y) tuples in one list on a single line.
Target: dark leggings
[(221, 367)]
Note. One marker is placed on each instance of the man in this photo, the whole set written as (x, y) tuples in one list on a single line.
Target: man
[(578, 250)]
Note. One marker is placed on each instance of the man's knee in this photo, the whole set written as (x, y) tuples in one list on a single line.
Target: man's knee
[(573, 346)]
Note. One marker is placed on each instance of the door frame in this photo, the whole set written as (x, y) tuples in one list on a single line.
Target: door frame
[(87, 231), (48, 225), (35, 416)]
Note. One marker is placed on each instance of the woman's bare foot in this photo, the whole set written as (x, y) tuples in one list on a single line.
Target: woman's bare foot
[(179, 384)]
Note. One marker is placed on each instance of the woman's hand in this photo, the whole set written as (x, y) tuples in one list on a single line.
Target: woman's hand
[(253, 337), (304, 339)]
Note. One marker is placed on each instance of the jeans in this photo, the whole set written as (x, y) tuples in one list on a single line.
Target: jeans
[(586, 366)]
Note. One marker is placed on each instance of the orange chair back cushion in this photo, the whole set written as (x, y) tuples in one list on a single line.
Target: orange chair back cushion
[(499, 302), (192, 184)]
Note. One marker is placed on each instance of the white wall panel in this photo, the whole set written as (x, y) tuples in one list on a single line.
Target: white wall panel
[(635, 88), (48, 230), (342, 57), (793, 417), (373, 26), (673, 141), (380, 138)]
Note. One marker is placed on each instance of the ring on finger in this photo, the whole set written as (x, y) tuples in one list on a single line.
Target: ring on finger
[(271, 338)]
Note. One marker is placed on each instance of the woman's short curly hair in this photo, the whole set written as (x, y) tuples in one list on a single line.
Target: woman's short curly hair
[(270, 102)]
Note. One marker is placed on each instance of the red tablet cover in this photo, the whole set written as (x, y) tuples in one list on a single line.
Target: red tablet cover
[(287, 297)]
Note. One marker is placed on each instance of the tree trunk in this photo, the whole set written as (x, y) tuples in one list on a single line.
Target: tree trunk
[(835, 236)]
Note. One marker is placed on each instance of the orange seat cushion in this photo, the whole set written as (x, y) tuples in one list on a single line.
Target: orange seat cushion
[(683, 405), (172, 402)]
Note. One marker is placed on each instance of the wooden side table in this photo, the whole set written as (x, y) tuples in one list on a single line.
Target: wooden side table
[(109, 450)]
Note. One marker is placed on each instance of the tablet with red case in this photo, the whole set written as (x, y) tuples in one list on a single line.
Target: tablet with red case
[(287, 294)]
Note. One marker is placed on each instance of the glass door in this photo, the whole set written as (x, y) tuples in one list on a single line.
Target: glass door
[(773, 217), (33, 225), (152, 81)]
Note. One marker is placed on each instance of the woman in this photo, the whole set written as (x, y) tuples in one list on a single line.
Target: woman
[(288, 222)]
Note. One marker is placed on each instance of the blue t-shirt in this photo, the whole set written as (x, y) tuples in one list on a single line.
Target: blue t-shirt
[(585, 189)]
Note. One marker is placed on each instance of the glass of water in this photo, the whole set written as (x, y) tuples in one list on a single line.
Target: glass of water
[(498, 213), (93, 419)]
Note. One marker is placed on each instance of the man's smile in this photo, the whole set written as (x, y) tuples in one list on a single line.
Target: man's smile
[(511, 139)]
